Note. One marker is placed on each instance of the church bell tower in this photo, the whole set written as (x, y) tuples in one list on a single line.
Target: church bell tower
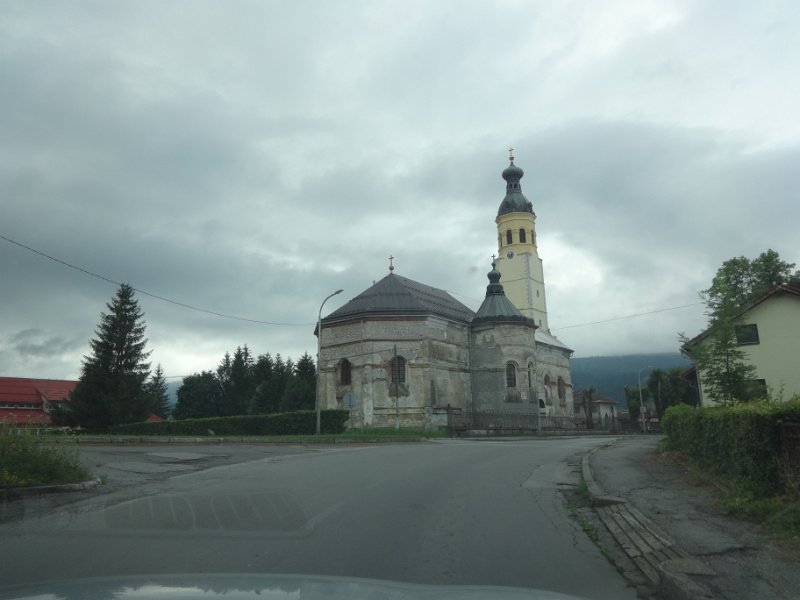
[(518, 261)]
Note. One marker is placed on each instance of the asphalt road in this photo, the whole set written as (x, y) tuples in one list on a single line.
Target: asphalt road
[(447, 512)]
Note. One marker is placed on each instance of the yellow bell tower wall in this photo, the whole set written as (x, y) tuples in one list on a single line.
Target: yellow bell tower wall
[(520, 265)]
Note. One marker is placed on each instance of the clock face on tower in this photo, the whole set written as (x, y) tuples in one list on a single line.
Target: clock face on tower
[(510, 254)]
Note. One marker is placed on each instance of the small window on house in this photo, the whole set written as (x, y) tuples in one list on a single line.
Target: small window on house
[(521, 236), (345, 369), (760, 388), (747, 334), (397, 367), (511, 375), (509, 238)]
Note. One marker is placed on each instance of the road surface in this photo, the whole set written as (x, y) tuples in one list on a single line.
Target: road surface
[(443, 512)]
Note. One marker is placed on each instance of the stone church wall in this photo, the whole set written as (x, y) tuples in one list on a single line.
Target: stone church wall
[(554, 381), (492, 348), (436, 375)]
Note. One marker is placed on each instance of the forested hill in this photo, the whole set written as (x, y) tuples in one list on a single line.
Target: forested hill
[(610, 374)]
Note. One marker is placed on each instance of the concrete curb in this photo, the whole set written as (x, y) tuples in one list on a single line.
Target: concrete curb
[(655, 554), (53, 489)]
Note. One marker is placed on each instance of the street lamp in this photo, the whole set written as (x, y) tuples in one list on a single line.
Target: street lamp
[(641, 402), (319, 351)]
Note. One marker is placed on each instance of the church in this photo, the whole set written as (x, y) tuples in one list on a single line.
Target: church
[(403, 353)]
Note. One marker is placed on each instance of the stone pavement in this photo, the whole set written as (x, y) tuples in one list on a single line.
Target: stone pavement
[(673, 537)]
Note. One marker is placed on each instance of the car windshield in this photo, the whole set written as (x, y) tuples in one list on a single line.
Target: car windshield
[(367, 293)]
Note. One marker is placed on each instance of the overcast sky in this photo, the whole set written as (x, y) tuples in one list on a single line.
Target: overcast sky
[(250, 158)]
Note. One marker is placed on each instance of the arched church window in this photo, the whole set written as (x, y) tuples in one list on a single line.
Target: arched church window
[(397, 367), (562, 389), (509, 239), (521, 236), (511, 375), (345, 372), (499, 241)]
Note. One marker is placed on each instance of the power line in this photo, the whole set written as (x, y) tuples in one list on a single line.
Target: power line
[(152, 295), (650, 312)]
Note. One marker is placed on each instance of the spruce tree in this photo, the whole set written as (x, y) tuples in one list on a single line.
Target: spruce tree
[(157, 395), (111, 388)]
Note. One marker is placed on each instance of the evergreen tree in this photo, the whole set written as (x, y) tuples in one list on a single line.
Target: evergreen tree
[(111, 390), (240, 384), (298, 392), (157, 395), (263, 399), (306, 369), (199, 396)]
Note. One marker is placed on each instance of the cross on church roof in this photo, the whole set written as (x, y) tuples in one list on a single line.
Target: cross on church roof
[(391, 266), (511, 154)]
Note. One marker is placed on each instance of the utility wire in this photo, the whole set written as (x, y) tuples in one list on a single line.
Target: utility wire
[(156, 296), (650, 312)]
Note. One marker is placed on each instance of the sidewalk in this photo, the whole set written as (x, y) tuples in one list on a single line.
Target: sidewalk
[(670, 529)]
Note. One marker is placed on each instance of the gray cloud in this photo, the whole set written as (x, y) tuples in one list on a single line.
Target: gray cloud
[(250, 161)]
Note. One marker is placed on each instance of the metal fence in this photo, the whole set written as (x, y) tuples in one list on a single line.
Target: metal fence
[(499, 422)]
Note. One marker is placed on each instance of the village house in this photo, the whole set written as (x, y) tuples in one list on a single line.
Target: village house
[(768, 333)]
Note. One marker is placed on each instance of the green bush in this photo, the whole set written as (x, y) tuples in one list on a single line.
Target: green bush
[(741, 441), (27, 459), (290, 423)]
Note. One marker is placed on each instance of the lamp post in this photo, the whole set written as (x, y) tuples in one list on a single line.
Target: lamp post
[(641, 402), (319, 351)]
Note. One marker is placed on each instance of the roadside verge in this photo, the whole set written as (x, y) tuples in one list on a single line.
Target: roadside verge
[(657, 556)]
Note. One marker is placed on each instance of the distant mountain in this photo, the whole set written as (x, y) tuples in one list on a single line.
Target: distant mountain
[(610, 374)]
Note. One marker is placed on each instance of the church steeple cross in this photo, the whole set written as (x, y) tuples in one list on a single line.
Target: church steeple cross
[(391, 266), (511, 154)]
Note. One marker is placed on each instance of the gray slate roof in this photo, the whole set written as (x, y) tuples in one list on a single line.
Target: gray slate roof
[(396, 295), (542, 337)]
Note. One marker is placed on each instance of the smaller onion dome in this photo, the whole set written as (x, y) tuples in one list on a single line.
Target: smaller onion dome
[(515, 200)]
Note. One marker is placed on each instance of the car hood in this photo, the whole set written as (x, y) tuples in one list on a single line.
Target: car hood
[(261, 587)]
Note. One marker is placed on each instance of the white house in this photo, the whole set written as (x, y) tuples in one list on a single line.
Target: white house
[(768, 332)]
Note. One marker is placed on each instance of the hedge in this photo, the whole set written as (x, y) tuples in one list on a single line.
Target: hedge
[(741, 441), (291, 423)]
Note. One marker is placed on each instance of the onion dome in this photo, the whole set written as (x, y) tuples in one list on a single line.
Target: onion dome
[(496, 307), (515, 200)]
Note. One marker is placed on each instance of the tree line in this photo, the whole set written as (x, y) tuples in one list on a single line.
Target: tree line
[(243, 385), (117, 386)]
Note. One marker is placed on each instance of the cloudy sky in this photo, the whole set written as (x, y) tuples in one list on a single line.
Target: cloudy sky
[(250, 157)]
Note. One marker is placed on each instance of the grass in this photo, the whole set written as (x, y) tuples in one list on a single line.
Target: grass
[(365, 435), (25, 461), (780, 515)]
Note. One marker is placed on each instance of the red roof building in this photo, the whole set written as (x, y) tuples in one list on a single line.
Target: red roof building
[(27, 401)]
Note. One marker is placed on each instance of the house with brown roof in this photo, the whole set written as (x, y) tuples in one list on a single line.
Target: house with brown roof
[(26, 401), (768, 333)]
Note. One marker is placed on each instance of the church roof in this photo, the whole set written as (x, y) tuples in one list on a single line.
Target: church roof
[(515, 200), (496, 307), (400, 296), (543, 337)]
